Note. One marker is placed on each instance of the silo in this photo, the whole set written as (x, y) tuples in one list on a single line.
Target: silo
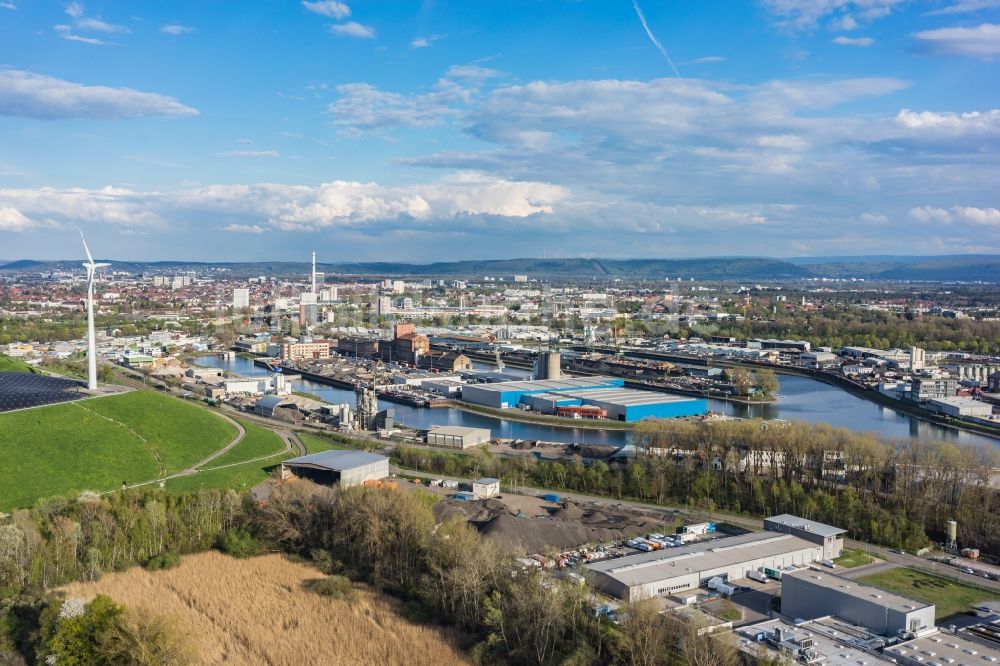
[(951, 527), (553, 365)]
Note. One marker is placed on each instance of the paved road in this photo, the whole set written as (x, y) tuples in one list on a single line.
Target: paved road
[(921, 564)]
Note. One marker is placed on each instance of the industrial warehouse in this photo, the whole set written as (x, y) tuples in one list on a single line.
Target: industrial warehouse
[(606, 395), (675, 570), (810, 594), (343, 468)]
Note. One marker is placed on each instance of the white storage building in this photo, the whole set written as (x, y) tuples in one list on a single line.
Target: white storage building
[(457, 436), (673, 570)]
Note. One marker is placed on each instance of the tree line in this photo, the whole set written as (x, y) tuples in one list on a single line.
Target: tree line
[(839, 326), (896, 494), (444, 572)]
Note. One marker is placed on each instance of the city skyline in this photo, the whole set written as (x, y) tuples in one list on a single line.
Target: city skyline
[(441, 130)]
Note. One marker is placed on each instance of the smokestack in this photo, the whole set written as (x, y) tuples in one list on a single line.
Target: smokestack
[(314, 273)]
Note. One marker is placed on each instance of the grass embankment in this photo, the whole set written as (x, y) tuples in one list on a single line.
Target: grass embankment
[(97, 444), (242, 467), (8, 364), (181, 432), (854, 558), (545, 419), (315, 444), (261, 611), (948, 597)]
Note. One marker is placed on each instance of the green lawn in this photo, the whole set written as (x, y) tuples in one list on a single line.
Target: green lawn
[(8, 364), (183, 433), (854, 558), (63, 449), (68, 448), (315, 444), (258, 443), (948, 596)]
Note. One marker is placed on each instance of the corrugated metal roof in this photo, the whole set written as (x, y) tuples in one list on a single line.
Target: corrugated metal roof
[(794, 522), (875, 595), (658, 565), (269, 401), (567, 384), (457, 431), (337, 460)]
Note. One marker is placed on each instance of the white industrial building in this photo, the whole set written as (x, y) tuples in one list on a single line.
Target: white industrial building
[(673, 570), (486, 488), (825, 641), (958, 407), (343, 468), (828, 536), (457, 436), (812, 593), (978, 644)]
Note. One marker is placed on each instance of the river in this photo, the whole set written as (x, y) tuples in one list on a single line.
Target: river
[(799, 399)]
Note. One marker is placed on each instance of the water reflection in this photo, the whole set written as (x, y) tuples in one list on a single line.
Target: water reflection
[(800, 398)]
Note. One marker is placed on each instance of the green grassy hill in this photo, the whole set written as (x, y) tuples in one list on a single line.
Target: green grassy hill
[(68, 448), (8, 364), (181, 432), (234, 469)]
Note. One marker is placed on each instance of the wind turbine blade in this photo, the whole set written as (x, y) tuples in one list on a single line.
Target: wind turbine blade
[(85, 248)]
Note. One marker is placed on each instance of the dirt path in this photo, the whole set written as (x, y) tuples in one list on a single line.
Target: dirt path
[(241, 432)]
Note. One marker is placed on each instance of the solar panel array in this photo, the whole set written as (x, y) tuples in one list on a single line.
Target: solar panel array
[(19, 390)]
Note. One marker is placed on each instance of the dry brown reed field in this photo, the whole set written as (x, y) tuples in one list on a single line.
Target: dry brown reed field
[(259, 611)]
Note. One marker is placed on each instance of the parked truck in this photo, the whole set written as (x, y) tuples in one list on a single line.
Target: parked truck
[(758, 576)]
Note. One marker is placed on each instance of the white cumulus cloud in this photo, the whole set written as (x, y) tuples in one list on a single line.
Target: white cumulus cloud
[(38, 96), (330, 8), (176, 29), (353, 29), (11, 219), (982, 41), (974, 122), (853, 41)]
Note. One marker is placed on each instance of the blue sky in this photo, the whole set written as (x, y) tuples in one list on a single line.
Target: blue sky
[(439, 129)]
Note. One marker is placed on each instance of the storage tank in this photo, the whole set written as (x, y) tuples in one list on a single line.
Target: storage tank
[(549, 366), (553, 365), (951, 527)]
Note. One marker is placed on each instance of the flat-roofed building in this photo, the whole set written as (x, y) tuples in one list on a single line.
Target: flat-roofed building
[(959, 407), (457, 436), (977, 644), (671, 570), (811, 593), (825, 641), (485, 488), (343, 468), (828, 536), (304, 351)]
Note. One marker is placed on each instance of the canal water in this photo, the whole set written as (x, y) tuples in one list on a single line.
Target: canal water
[(799, 399)]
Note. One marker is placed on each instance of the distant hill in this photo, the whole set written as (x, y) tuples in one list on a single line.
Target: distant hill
[(944, 268), (966, 268), (718, 268)]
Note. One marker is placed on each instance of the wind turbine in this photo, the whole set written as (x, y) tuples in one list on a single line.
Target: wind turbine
[(91, 338)]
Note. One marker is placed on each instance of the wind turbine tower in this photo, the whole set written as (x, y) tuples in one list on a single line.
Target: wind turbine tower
[(91, 338)]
